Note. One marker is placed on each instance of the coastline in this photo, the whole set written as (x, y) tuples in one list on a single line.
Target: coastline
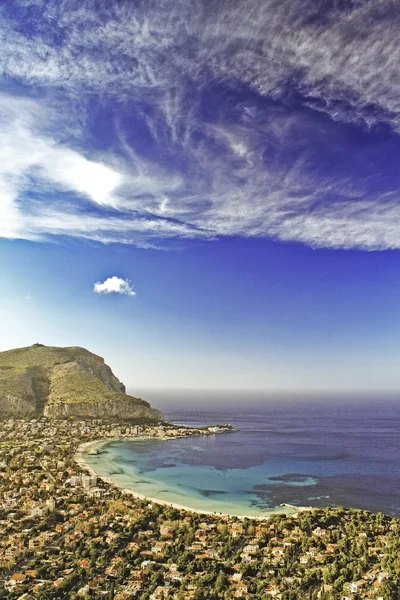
[(84, 448)]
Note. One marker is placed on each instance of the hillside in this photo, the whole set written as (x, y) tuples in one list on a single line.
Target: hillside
[(65, 382)]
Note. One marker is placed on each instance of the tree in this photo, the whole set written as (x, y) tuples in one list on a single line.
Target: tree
[(221, 582)]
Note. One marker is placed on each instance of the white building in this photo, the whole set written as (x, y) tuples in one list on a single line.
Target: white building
[(89, 481)]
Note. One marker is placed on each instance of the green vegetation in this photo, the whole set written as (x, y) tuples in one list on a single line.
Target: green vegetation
[(21, 359), (63, 382), (69, 382)]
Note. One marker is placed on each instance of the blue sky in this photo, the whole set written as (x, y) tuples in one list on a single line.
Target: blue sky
[(228, 173)]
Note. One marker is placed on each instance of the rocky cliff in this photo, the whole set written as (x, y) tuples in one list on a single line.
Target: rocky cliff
[(65, 382)]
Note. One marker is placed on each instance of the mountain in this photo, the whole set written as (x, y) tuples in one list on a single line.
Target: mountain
[(65, 382)]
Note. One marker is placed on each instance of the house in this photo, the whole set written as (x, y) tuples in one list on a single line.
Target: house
[(8, 558), (38, 511), (112, 570), (196, 547), (210, 553), (84, 564), (251, 549), (16, 580), (36, 543), (160, 593), (136, 576), (240, 590), (84, 591), (331, 548), (236, 529), (166, 531), (304, 559), (248, 559), (356, 586), (173, 568), (31, 573), (126, 594), (171, 578), (158, 547), (146, 563), (319, 532)]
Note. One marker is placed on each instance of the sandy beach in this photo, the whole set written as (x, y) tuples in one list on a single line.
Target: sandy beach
[(84, 448)]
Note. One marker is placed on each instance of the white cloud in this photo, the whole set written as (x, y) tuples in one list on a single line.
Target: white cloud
[(33, 163), (330, 51), (26, 154), (114, 285)]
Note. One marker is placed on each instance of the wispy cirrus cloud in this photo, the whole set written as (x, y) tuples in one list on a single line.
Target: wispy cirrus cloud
[(27, 155), (49, 189), (168, 121), (114, 285)]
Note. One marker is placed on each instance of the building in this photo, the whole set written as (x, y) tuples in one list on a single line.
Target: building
[(89, 481)]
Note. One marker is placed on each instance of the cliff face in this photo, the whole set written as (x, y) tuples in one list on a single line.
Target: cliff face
[(65, 382), (122, 408)]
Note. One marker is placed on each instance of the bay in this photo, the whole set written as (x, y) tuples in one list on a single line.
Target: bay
[(305, 453)]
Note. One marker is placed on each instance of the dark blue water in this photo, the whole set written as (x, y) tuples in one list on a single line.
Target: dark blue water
[(302, 453)]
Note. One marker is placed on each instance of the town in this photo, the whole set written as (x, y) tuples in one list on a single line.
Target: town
[(65, 533)]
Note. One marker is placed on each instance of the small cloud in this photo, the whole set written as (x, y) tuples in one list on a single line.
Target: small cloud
[(114, 285)]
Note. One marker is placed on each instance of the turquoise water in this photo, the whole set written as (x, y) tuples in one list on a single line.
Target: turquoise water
[(200, 487), (318, 455)]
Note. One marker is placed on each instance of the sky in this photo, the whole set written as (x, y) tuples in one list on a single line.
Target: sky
[(204, 193)]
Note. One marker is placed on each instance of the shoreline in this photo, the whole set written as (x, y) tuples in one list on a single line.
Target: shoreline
[(82, 450)]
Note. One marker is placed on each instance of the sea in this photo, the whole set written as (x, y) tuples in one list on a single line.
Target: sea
[(300, 452)]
